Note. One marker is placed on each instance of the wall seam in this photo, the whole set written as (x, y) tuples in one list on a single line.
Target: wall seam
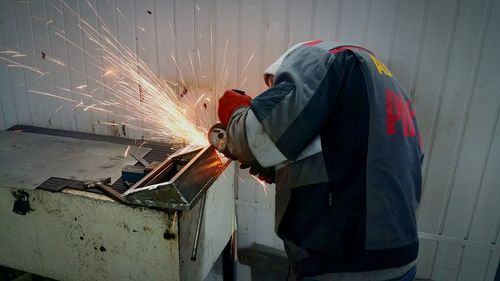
[(339, 21), (49, 45), (366, 23), (69, 68), (395, 19), (313, 20), (421, 36)]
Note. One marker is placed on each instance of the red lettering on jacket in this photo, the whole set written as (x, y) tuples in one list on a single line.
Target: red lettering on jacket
[(398, 110)]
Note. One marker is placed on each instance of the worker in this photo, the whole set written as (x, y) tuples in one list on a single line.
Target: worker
[(338, 130)]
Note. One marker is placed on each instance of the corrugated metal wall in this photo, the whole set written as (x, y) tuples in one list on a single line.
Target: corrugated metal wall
[(446, 53)]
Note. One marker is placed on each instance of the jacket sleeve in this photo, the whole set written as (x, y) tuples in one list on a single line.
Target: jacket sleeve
[(284, 122)]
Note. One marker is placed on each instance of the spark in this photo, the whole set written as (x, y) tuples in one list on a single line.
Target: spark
[(59, 108), (51, 95), (74, 92), (58, 10), (81, 87), (59, 31), (249, 60), (108, 123), (121, 14), (126, 152), (56, 61), (18, 55), (199, 99), (261, 183), (37, 18), (244, 81), (9, 52), (89, 106), (27, 67), (101, 109), (141, 28), (49, 22), (81, 103)]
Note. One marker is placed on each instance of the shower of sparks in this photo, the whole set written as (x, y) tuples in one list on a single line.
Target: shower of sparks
[(131, 94)]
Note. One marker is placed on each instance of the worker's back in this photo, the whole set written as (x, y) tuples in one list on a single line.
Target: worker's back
[(351, 207)]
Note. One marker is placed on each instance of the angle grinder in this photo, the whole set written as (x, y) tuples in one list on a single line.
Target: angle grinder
[(217, 133)]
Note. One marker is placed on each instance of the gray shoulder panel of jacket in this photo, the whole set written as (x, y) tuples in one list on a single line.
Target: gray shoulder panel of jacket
[(306, 75)]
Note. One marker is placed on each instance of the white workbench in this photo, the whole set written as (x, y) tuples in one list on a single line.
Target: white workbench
[(76, 235)]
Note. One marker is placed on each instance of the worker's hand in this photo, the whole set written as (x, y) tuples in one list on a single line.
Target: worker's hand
[(229, 102), (264, 174)]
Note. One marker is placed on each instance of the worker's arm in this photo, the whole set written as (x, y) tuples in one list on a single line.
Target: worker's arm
[(286, 120)]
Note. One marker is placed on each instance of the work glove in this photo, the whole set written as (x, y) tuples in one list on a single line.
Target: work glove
[(264, 174), (229, 102)]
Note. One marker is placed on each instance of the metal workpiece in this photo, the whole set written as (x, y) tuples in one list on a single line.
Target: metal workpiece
[(178, 189)]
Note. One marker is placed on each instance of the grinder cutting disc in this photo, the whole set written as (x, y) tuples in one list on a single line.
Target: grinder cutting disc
[(217, 136)]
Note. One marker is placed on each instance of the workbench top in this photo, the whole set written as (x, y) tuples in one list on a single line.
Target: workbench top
[(28, 159)]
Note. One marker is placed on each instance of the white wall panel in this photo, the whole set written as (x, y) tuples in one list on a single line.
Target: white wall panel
[(42, 46), (203, 59), (106, 25), (379, 27), (93, 68), (59, 60), (126, 36), (301, 19), (7, 101), (327, 19), (27, 48), (354, 21), (445, 54), (78, 74), (17, 81)]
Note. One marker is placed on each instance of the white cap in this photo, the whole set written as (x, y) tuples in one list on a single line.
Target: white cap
[(273, 68)]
